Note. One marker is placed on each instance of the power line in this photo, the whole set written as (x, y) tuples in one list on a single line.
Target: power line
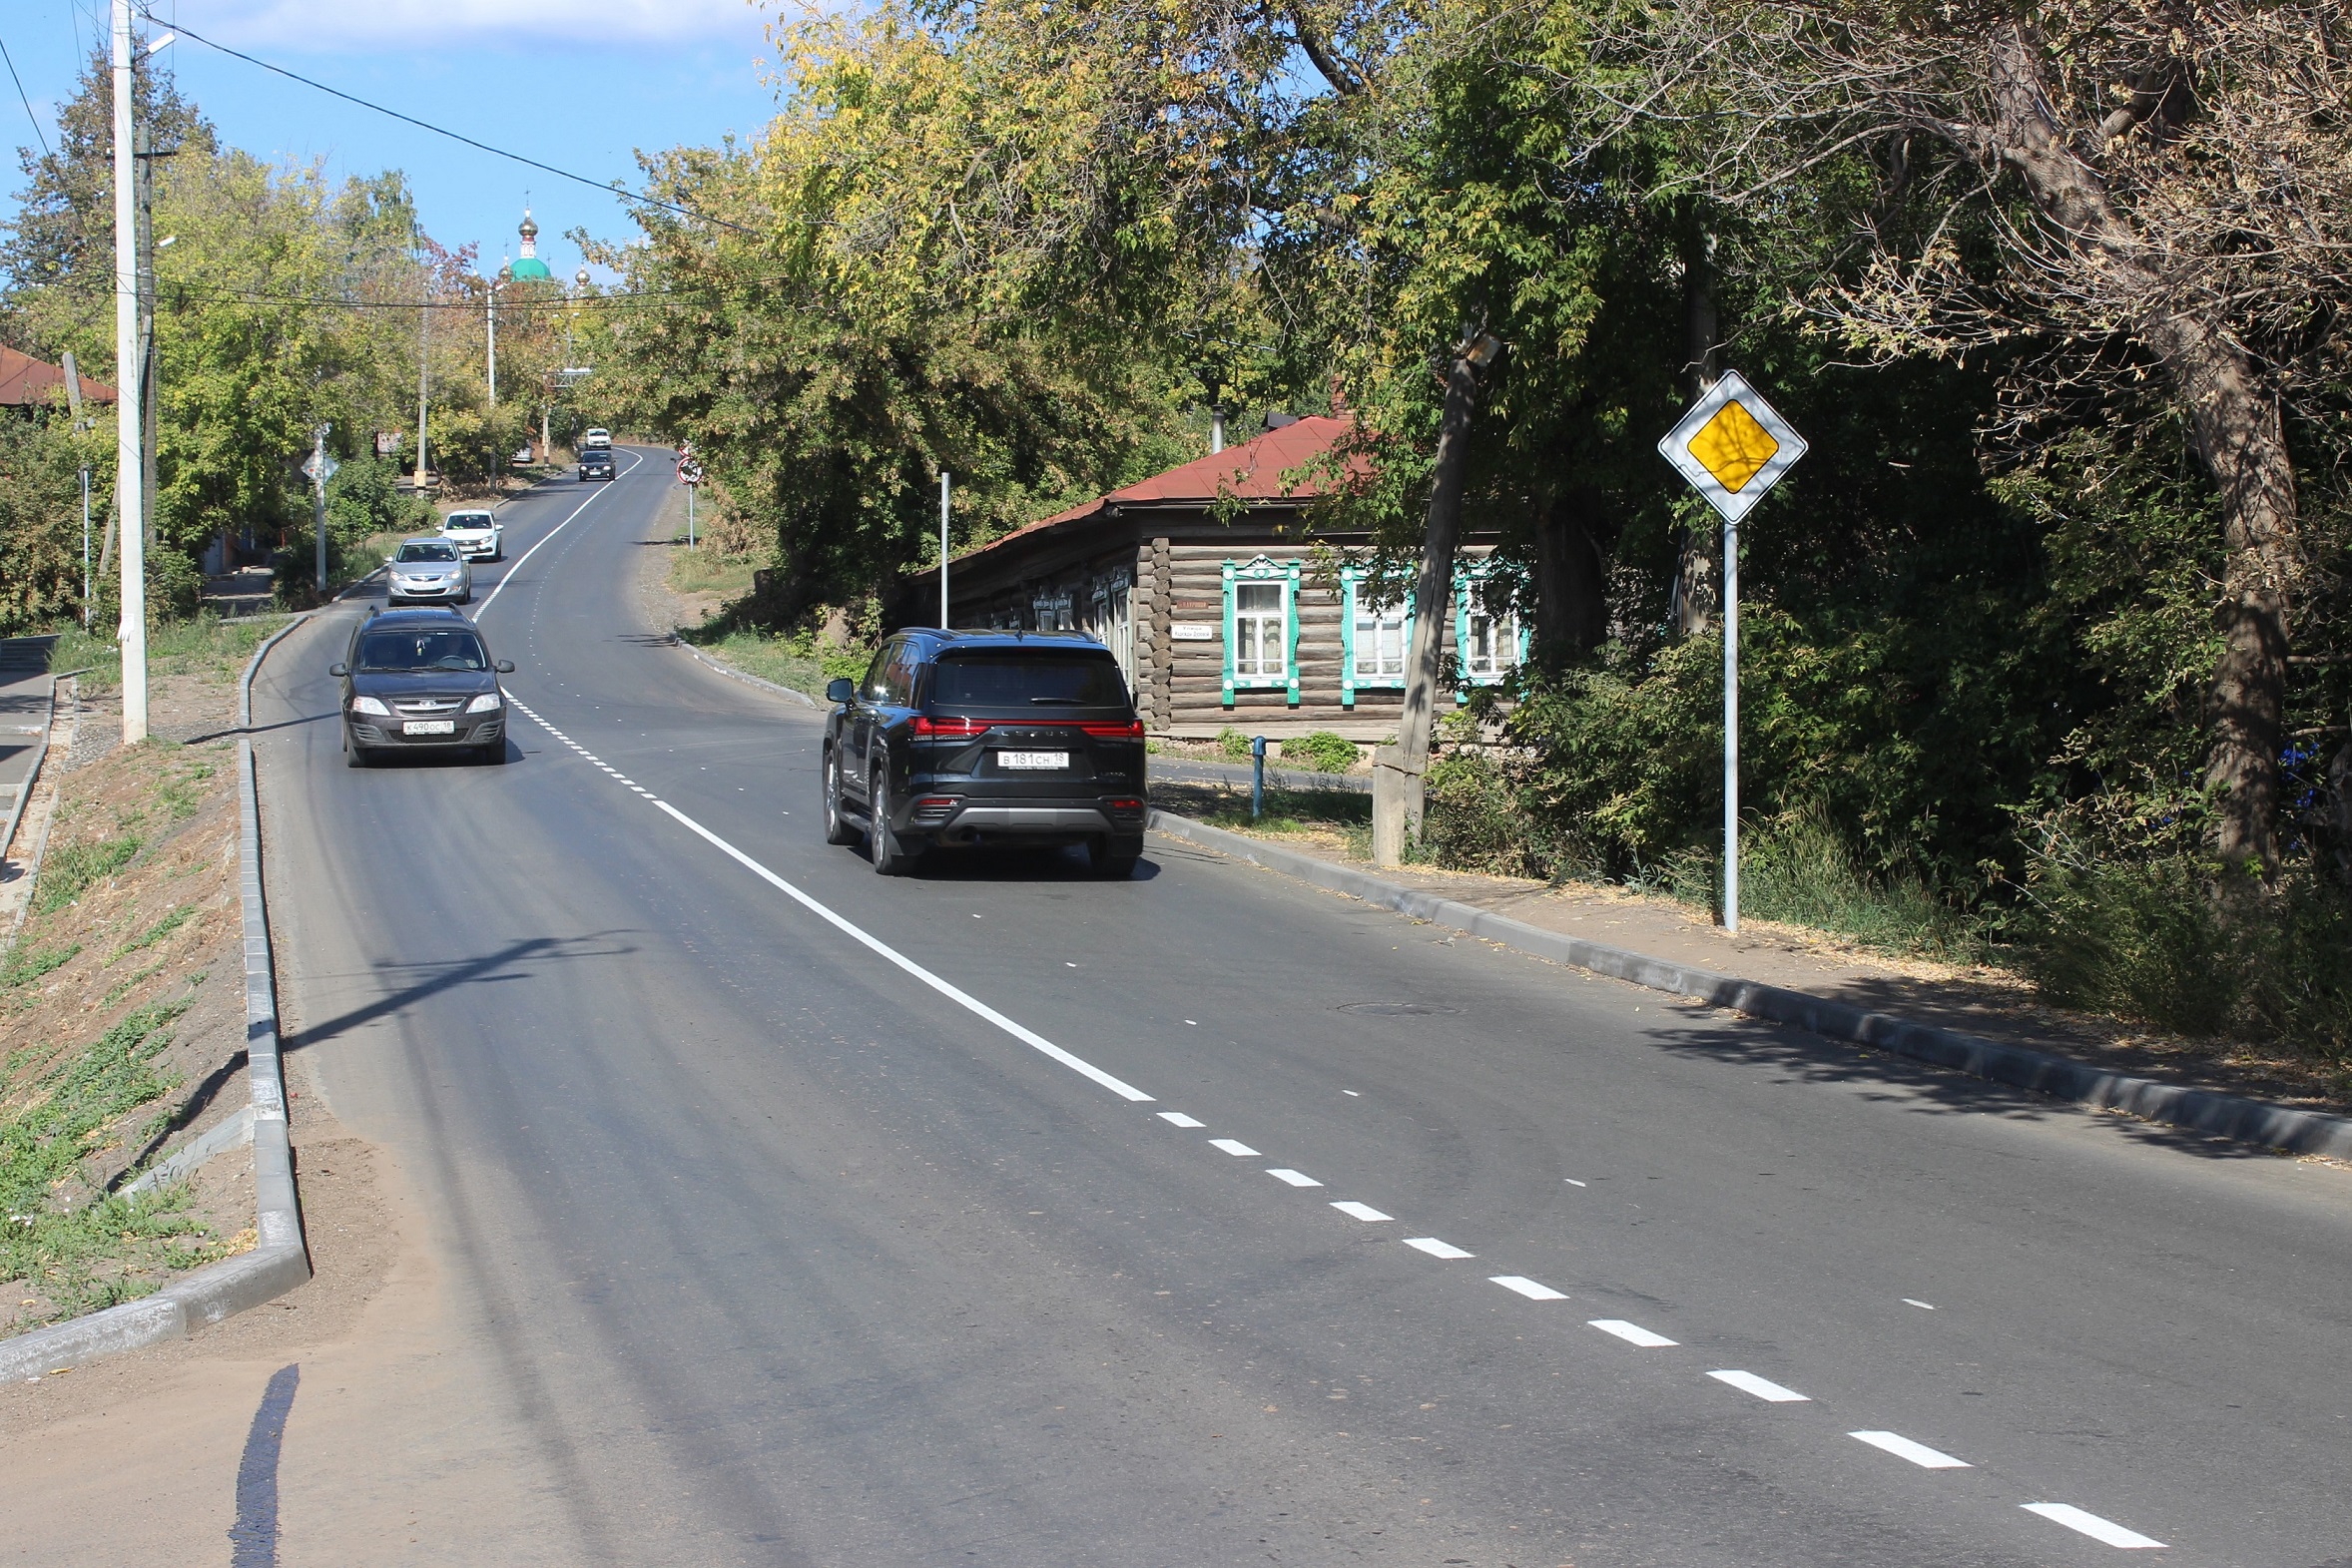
[(22, 98), (423, 125)]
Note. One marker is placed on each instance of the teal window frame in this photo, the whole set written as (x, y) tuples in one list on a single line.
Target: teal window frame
[(1467, 579), (1260, 569), (1350, 577)]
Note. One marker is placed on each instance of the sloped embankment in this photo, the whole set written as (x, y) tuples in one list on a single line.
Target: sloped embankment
[(122, 1019)]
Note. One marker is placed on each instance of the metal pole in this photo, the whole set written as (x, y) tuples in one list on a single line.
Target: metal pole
[(942, 549), (690, 517), (424, 317), (1730, 725), (130, 424), (86, 584), (491, 295), (1216, 430), (318, 499), (1257, 775)]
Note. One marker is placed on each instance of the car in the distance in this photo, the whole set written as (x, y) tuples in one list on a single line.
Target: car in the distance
[(421, 680), (427, 571), (970, 739), (596, 462), (478, 536), (595, 435)]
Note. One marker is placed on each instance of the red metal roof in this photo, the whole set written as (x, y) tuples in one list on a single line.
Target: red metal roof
[(26, 381), (1252, 471)]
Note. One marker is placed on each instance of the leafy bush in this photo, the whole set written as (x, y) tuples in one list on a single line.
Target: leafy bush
[(1234, 743), (1325, 751)]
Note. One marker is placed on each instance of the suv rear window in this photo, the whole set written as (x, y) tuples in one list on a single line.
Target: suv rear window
[(1025, 679)]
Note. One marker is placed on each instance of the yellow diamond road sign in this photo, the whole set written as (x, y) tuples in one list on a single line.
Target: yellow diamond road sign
[(1732, 446)]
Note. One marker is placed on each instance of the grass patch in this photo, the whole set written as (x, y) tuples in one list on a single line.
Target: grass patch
[(151, 935), (1322, 750), (68, 870), (27, 964), (182, 789), (1341, 812), (205, 645), (795, 662)]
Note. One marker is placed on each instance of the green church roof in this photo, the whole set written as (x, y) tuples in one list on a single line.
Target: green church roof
[(531, 266)]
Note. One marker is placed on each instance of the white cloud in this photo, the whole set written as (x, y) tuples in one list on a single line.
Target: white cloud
[(427, 26)]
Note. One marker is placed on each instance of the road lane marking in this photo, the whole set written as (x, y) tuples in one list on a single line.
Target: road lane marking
[(1356, 1210), (1295, 1178), (1436, 1248), (1631, 1333), (955, 993), (1920, 1454), (1762, 1388), (2092, 1525), (1528, 1288), (1174, 1118), (1907, 1302), (551, 533), (1571, 1181), (1234, 1146)]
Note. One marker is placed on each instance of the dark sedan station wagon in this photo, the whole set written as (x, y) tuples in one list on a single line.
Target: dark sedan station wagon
[(421, 680), (959, 738)]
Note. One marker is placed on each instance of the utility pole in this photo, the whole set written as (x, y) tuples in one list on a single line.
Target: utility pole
[(143, 149), (505, 275), (130, 458), (73, 399), (425, 317), (319, 473), (942, 549)]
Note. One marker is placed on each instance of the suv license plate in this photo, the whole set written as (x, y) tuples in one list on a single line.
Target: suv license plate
[(429, 726), (1032, 758)]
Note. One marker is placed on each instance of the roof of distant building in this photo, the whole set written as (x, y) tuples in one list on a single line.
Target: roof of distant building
[(28, 382)]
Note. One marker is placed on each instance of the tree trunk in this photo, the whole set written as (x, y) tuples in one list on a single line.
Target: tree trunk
[(1571, 577), (1465, 380), (1694, 587), (2237, 435)]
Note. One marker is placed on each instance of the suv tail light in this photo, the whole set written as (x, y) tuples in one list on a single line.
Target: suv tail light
[(1132, 729), (952, 728)]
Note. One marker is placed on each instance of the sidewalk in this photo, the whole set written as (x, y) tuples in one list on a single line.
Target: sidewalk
[(1989, 1003)]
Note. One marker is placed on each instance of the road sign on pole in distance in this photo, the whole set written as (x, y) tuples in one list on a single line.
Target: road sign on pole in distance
[(1732, 446)]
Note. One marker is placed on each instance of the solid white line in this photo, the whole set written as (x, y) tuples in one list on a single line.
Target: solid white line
[(1762, 1388), (1296, 1179), (1179, 1119), (1918, 1454), (1528, 1288), (1436, 1248), (1631, 1333), (2092, 1525), (1234, 1146), (551, 533), (974, 1004), (1356, 1210)]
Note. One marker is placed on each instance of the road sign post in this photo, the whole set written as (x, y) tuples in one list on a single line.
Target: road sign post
[(690, 474), (321, 467), (1732, 446)]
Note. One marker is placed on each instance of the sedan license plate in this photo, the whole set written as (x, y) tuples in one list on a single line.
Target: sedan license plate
[(1032, 758), (429, 726)]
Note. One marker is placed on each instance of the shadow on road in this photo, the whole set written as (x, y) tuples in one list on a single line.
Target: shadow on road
[(434, 979)]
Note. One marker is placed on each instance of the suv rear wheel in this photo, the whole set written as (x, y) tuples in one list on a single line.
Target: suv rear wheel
[(890, 859), (1112, 859)]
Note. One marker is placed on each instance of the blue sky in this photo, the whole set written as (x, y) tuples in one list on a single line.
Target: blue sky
[(579, 84)]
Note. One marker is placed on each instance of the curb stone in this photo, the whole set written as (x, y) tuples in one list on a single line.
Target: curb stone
[(244, 686), (2198, 1110), (280, 1261)]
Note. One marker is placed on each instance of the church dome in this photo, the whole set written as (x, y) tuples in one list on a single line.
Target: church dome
[(528, 264)]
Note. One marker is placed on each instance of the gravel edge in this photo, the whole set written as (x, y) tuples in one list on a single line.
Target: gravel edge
[(2206, 1111)]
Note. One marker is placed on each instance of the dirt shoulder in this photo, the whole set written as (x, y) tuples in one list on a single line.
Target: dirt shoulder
[(1979, 999)]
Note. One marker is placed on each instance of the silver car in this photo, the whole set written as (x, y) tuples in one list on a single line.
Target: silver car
[(430, 571), (476, 535)]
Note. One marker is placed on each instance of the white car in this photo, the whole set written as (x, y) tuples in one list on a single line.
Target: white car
[(599, 436), (477, 535)]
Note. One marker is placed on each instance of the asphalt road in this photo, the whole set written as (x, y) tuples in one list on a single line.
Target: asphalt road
[(804, 1216)]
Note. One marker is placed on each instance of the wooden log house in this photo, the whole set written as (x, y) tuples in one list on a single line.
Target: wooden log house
[(1202, 582)]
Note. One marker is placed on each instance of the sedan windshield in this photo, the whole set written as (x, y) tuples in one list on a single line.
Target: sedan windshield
[(433, 650), (1025, 679), (467, 522), (426, 550)]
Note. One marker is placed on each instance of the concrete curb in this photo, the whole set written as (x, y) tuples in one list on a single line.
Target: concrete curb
[(252, 667), (280, 1261), (24, 792), (734, 673), (2199, 1110)]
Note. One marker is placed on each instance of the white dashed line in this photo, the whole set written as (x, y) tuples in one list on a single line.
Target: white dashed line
[(1920, 1454), (2092, 1525), (1436, 1248), (1907, 1302), (1234, 1146), (1631, 1333), (1356, 1210), (1295, 1178), (1762, 1388), (1571, 1181), (1528, 1288), (1175, 1117)]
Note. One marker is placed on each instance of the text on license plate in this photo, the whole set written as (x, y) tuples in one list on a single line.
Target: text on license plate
[(429, 726), (1032, 758)]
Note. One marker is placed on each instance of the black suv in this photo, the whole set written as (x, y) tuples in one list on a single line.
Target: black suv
[(596, 462), (421, 680), (985, 737)]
